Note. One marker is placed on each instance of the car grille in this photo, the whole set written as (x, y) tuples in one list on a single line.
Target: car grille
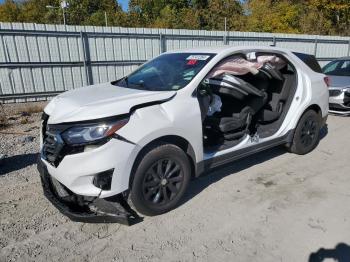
[(334, 92), (53, 145), (54, 149)]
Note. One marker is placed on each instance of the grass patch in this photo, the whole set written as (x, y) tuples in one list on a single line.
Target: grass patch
[(31, 109), (3, 117), (24, 120)]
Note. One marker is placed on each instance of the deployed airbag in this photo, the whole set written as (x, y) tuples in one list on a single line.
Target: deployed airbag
[(230, 85)]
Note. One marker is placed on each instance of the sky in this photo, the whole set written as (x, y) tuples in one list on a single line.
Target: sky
[(124, 3)]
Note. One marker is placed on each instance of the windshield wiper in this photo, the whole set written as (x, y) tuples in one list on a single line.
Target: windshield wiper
[(126, 81), (117, 82), (142, 84)]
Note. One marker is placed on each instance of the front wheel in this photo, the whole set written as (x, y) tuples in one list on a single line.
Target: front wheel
[(307, 133), (160, 179)]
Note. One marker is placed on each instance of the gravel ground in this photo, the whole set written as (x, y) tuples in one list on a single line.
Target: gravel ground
[(274, 206)]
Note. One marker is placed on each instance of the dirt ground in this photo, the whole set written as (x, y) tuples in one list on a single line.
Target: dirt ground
[(274, 206)]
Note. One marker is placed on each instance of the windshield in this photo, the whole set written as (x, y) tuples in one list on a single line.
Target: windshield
[(166, 72), (337, 68)]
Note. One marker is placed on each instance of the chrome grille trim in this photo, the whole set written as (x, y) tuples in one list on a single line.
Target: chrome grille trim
[(335, 92)]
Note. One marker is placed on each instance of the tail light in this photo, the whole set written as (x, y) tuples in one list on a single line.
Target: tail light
[(327, 80)]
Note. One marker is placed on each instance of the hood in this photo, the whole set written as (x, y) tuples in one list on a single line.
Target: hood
[(339, 81), (99, 101)]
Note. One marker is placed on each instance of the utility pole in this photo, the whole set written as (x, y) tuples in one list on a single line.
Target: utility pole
[(64, 16), (225, 31), (64, 5), (106, 19), (225, 25)]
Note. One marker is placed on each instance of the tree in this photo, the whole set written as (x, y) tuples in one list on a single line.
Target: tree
[(36, 11), (217, 10), (272, 16), (285, 16), (9, 11), (326, 17), (91, 12)]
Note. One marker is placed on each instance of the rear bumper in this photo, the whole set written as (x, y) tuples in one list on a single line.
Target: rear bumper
[(91, 210)]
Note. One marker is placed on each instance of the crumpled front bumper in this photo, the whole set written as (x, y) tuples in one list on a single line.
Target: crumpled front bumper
[(86, 209), (339, 104)]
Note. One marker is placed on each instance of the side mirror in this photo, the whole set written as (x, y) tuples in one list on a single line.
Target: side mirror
[(202, 92), (203, 88)]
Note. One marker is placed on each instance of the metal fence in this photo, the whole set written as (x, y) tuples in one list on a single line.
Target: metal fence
[(38, 61)]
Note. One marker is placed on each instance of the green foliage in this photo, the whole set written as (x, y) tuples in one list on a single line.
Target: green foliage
[(287, 16), (9, 11)]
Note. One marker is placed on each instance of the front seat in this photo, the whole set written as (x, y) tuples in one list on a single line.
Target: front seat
[(236, 125)]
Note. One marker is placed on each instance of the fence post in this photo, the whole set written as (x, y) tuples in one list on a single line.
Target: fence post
[(315, 48), (162, 43), (274, 41), (86, 57)]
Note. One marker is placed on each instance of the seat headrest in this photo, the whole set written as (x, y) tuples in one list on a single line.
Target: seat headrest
[(271, 72)]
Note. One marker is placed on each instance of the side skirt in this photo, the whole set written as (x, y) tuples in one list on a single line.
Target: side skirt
[(241, 153)]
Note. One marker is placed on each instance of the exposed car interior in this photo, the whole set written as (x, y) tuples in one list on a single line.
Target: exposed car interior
[(245, 94)]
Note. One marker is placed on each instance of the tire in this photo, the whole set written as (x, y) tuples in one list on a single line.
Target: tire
[(160, 180), (307, 133)]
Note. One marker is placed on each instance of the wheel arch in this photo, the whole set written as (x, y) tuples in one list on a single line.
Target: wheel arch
[(314, 107), (168, 139)]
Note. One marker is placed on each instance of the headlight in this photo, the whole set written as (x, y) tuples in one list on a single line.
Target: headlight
[(91, 133)]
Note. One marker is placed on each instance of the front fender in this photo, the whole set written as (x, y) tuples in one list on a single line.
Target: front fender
[(178, 117), (172, 118)]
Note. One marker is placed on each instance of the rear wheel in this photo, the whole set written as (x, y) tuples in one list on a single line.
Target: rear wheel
[(160, 179), (307, 133)]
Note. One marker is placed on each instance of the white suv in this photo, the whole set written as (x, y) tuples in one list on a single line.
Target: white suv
[(137, 142)]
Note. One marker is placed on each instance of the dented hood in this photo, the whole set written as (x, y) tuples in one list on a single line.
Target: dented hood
[(99, 101)]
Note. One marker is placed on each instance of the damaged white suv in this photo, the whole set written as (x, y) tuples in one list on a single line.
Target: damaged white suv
[(137, 142)]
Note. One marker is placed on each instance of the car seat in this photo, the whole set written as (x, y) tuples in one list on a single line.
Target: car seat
[(235, 125)]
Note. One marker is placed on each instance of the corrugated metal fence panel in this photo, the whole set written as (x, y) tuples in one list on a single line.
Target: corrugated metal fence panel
[(37, 59)]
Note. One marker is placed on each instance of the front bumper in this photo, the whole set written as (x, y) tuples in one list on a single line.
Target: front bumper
[(82, 209), (339, 104), (77, 171)]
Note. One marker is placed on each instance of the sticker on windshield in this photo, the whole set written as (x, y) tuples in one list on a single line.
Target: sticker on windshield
[(198, 57), (192, 62)]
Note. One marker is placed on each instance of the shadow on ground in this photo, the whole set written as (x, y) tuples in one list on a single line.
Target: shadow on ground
[(341, 253), (324, 132), (198, 185), (14, 163)]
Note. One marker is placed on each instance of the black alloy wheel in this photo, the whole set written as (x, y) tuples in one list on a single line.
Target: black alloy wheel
[(160, 178), (307, 133), (162, 181)]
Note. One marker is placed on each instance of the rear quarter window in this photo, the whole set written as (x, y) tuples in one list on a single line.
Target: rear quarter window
[(310, 61)]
